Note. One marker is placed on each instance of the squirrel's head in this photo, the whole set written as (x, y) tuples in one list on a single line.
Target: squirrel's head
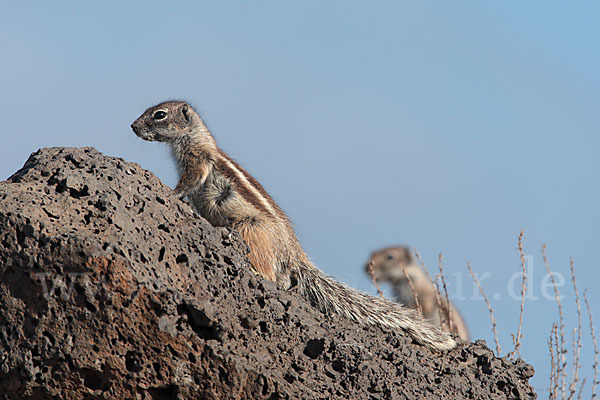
[(390, 263), (169, 121)]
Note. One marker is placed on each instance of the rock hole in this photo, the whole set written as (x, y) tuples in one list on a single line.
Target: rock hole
[(87, 217), (25, 232), (49, 214), (169, 392), (289, 378), (164, 228), (223, 375), (69, 157), (200, 322), (131, 362), (314, 348), (262, 381), (174, 352), (90, 307), (245, 322), (92, 379), (49, 336), (261, 301), (263, 326), (61, 185), (156, 367), (77, 194), (100, 205), (338, 365)]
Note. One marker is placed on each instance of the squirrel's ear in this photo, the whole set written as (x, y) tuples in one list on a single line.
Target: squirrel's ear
[(185, 110)]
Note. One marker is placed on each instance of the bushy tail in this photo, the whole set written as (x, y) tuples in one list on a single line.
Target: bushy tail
[(331, 296)]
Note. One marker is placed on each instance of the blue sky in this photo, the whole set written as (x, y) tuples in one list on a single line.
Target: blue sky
[(444, 126)]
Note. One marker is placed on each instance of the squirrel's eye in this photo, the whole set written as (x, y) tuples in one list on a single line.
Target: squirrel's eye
[(390, 257), (159, 115)]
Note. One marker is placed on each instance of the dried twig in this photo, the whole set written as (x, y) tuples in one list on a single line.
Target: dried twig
[(580, 392), (494, 329), (422, 264), (416, 297), (435, 283), (576, 342), (448, 317), (574, 376), (595, 343), (558, 389), (561, 370), (372, 274), (553, 364), (517, 339)]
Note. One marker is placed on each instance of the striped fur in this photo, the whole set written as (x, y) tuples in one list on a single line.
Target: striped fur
[(226, 195)]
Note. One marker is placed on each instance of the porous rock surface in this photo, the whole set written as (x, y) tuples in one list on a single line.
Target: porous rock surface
[(112, 288)]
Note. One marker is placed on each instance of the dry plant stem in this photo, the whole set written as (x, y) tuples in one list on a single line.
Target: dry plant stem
[(424, 268), (418, 255), (562, 387), (514, 340), (572, 385), (517, 339), (437, 286), (372, 274), (412, 287), (441, 267), (553, 361), (561, 365), (492, 318), (583, 381), (594, 342), (576, 342)]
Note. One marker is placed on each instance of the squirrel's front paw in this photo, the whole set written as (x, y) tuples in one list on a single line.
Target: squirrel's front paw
[(185, 199), (181, 196)]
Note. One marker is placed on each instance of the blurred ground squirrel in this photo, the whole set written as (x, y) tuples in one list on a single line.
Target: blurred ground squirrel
[(226, 195), (396, 265)]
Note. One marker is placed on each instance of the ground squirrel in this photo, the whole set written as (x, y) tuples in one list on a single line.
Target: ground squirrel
[(226, 195), (396, 265)]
